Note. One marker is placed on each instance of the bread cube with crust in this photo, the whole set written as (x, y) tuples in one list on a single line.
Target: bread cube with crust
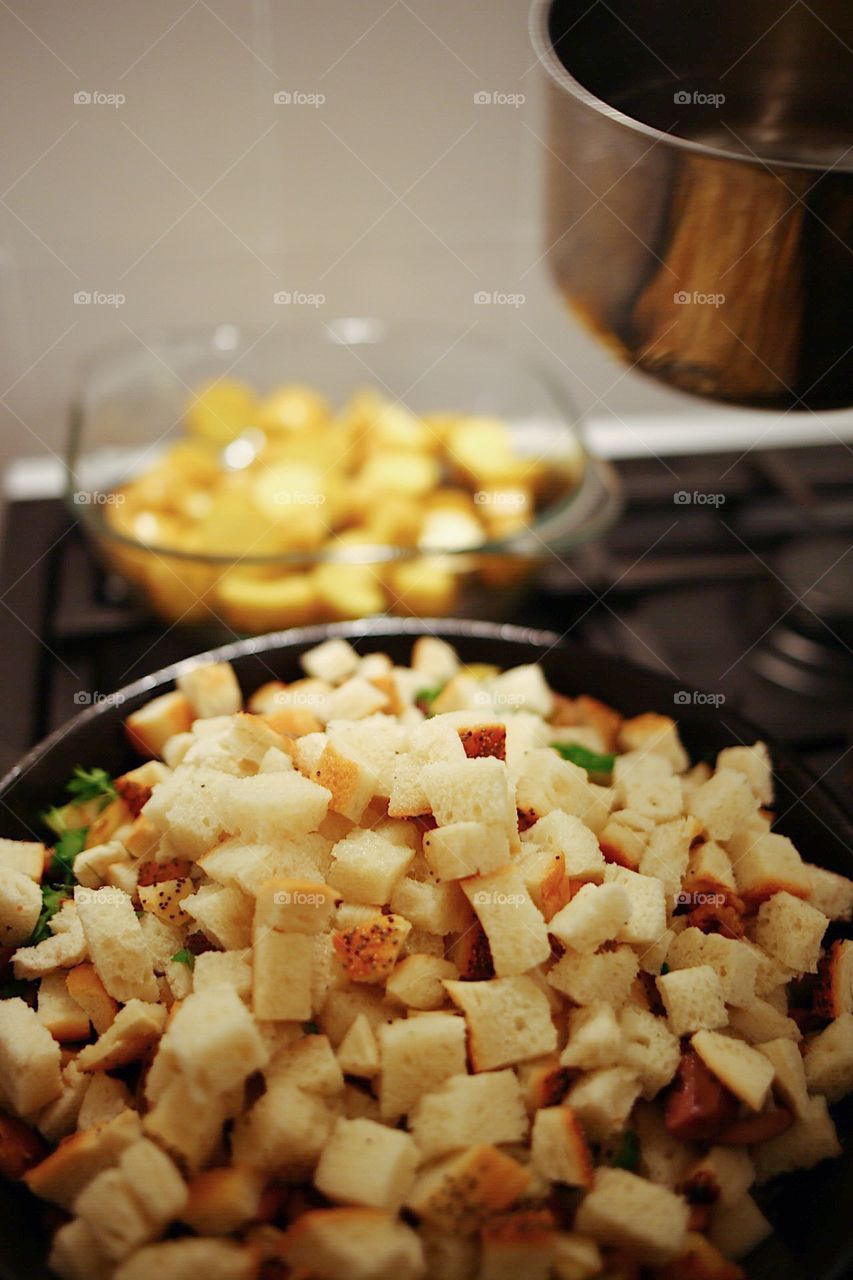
[(417, 981), (367, 1163), (20, 906), (739, 1228), (232, 967), (66, 947), (742, 1069), (366, 867), (709, 870), (559, 1148), (461, 1192), (667, 853), (224, 914), (829, 1059), (603, 1100), (416, 1056), (368, 951), (334, 660), (756, 766), (508, 1020), (515, 928), (211, 689), (293, 904), (355, 699), (185, 809), (789, 1080), (760, 1021), (116, 944), (586, 979), (215, 1041), (466, 849), (433, 908), (575, 1257), (220, 1201), (647, 917), (360, 1243), (113, 1214), (521, 1239), (622, 844), (765, 863), (59, 1011), (808, 1141), (791, 931), (350, 781), (734, 962), (594, 915), (650, 1048), (29, 1059), (656, 735), (466, 1111), (155, 1182), (150, 727), (544, 875), (27, 856), (75, 1253), (451, 1257), (548, 782), (263, 806), (284, 1132), (693, 999), (358, 1052), (178, 1259), (830, 893), (136, 1028), (628, 1212), (565, 833), (62, 1175), (595, 1037), (105, 1098), (468, 791), (722, 804), (281, 976)]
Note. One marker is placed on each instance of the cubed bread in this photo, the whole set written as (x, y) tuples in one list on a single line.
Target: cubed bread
[(508, 1020), (466, 849), (595, 914), (759, 1021), (603, 1100), (742, 1069), (215, 1041), (830, 893), (586, 979), (232, 967), (135, 1029), (575, 1257), (461, 1192), (211, 689), (791, 931), (467, 1111), (92, 867), (150, 727), (75, 1253), (647, 917), (105, 1098), (222, 1200), (722, 804), (368, 951), (650, 1048), (351, 783), (266, 805), (808, 1141), (789, 1079), (467, 791), (358, 1052), (155, 1182), (565, 833), (548, 782), (655, 734), (116, 944), (709, 870), (27, 856), (66, 947), (628, 1212), (756, 766), (834, 993), (284, 1132), (417, 981), (622, 844), (360, 1243), (766, 863), (59, 1011), (658, 798), (164, 899), (739, 1228), (735, 963), (334, 660), (515, 928), (29, 1059), (180, 1259), (355, 699), (666, 855), (559, 1148), (726, 1174), (62, 1175), (307, 1062), (366, 867), (434, 658), (366, 1163), (595, 1037), (295, 905), (20, 906), (113, 1214), (693, 999), (519, 1240), (417, 1055), (433, 908), (829, 1059), (223, 913)]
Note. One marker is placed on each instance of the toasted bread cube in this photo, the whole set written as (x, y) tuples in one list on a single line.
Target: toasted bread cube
[(739, 1228), (789, 1080), (418, 980), (368, 952), (27, 856), (548, 782), (468, 791), (622, 844), (791, 931), (29, 1059), (521, 1239), (366, 867), (358, 1052), (284, 1132), (830, 893), (360, 1243), (164, 899), (834, 994), (808, 1141), (355, 699), (367, 1163), (20, 906), (282, 964), (647, 918), (224, 914), (628, 1212), (693, 999), (112, 1213), (595, 914), (220, 1201), (508, 1020), (650, 1049), (151, 727), (262, 807), (466, 849), (136, 1027), (586, 979), (417, 1055), (742, 1069), (116, 944), (829, 1059), (667, 853), (334, 660), (155, 1182), (722, 804), (178, 1259), (654, 734), (559, 1147), (105, 1098), (434, 658), (518, 938), (451, 1257), (575, 1257), (735, 963), (59, 1012), (462, 1192), (231, 967), (211, 690), (433, 908), (295, 905), (565, 833), (603, 1099), (350, 781), (595, 1037), (62, 1175), (756, 766), (709, 870), (759, 1021), (467, 1111), (215, 1040), (765, 863), (75, 1253)]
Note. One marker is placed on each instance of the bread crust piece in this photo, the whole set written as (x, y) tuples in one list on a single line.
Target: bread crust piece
[(559, 1147), (136, 1028)]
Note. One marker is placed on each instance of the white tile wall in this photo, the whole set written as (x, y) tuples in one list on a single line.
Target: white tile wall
[(198, 197)]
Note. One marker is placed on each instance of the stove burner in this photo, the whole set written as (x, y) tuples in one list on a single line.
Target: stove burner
[(809, 649)]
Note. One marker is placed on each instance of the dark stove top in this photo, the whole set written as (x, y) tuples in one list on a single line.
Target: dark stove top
[(733, 573)]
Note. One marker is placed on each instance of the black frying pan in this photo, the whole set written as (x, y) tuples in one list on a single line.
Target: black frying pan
[(809, 1211)]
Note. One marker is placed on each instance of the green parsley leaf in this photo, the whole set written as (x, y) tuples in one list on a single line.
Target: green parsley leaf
[(628, 1152), (664, 968), (88, 784), (185, 957), (55, 819), (310, 1028), (426, 697), (66, 849), (596, 765), (52, 897)]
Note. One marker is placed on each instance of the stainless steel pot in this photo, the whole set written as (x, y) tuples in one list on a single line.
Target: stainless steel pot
[(700, 189)]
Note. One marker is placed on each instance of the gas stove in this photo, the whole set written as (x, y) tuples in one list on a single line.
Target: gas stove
[(731, 571)]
